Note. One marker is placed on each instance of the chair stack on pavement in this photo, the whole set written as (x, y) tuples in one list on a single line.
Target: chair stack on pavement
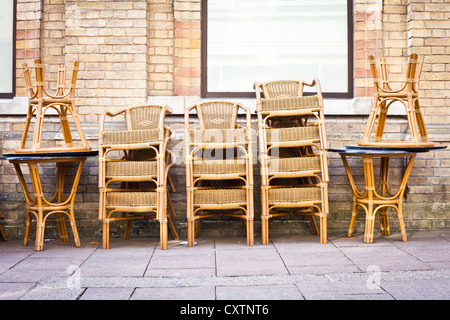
[(292, 153), (133, 181), (219, 172)]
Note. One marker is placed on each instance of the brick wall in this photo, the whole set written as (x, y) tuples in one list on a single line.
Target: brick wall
[(132, 52)]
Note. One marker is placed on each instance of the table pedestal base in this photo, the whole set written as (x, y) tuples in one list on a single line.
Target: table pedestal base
[(379, 199), (41, 208)]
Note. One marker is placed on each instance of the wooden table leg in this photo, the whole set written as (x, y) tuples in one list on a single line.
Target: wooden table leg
[(60, 174), (370, 188), (384, 189), (400, 196), (38, 194), (72, 202), (356, 194)]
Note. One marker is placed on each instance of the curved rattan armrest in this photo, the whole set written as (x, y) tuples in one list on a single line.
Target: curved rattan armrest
[(173, 160), (110, 114), (167, 109), (315, 83)]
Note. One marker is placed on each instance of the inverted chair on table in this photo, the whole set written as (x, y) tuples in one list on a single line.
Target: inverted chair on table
[(40, 100)]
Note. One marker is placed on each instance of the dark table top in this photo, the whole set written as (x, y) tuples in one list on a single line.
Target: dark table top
[(385, 150), (49, 155)]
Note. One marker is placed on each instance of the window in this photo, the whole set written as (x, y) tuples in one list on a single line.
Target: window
[(244, 41), (7, 45)]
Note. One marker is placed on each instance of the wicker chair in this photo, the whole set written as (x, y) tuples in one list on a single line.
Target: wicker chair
[(141, 172), (62, 101), (292, 148), (219, 172), (385, 95)]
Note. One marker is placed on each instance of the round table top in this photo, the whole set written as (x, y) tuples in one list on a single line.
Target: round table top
[(385, 150), (49, 155)]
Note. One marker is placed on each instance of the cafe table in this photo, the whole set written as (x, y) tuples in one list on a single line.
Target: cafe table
[(59, 204), (377, 197)]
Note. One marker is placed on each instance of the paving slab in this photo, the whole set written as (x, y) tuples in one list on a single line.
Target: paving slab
[(430, 289), (275, 292), (341, 290), (107, 294), (14, 290), (175, 293)]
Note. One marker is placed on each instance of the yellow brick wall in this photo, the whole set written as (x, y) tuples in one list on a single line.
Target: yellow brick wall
[(131, 51)]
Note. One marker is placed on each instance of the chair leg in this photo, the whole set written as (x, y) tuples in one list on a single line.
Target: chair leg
[(352, 220), (250, 232), (2, 233), (27, 127), (126, 236), (401, 222), (199, 226), (26, 237), (105, 233), (163, 234), (265, 230), (172, 228), (62, 228), (323, 228), (313, 224), (191, 232)]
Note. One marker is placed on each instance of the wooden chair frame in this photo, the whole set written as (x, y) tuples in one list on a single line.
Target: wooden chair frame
[(385, 95), (41, 100), (243, 208)]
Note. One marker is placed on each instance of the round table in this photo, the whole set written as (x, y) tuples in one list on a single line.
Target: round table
[(380, 198), (41, 207)]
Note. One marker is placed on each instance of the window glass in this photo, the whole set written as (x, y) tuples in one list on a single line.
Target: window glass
[(6, 47), (265, 40)]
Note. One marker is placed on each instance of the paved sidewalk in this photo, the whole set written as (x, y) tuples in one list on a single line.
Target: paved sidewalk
[(289, 268)]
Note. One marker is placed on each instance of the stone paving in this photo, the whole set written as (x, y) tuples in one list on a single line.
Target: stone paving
[(291, 267)]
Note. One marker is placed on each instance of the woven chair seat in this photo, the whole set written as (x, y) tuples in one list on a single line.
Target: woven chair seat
[(296, 166), (219, 136), (294, 136), (131, 170), (131, 200), (311, 103), (293, 197), (221, 168), (130, 139), (220, 198)]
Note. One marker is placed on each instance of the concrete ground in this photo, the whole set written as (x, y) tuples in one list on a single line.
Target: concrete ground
[(291, 267)]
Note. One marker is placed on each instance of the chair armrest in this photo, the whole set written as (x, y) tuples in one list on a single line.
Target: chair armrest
[(315, 83), (110, 114)]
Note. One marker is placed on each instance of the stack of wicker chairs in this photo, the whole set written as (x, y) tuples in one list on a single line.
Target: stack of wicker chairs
[(219, 172), (292, 153), (133, 170)]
